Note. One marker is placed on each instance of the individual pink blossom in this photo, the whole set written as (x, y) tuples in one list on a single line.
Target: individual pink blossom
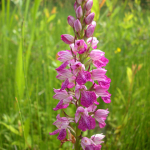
[(83, 77), (97, 138), (96, 54), (77, 67), (86, 121), (93, 143), (100, 115), (98, 74), (62, 95), (93, 42), (80, 46), (65, 56), (62, 123)]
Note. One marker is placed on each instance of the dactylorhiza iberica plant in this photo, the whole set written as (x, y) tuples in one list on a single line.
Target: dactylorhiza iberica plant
[(82, 64)]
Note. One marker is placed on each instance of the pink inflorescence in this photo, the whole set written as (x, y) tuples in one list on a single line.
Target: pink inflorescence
[(83, 81)]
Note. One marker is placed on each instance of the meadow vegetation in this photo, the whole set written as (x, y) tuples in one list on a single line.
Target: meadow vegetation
[(29, 41)]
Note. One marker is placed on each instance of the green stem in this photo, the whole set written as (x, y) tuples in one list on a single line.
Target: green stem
[(78, 132)]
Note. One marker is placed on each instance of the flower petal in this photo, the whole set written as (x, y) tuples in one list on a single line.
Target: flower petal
[(86, 123), (87, 98), (60, 105), (55, 132), (62, 134)]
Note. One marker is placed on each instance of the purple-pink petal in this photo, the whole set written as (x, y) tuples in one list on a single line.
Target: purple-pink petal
[(81, 79), (63, 66), (62, 134), (55, 132), (86, 123), (87, 98), (93, 147), (60, 105), (65, 84)]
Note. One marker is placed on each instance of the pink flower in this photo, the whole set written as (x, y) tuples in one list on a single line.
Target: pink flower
[(96, 54), (65, 56), (93, 42), (83, 77), (97, 139), (86, 122), (100, 115), (62, 123), (98, 74), (63, 95), (93, 143), (80, 46), (98, 58), (77, 67)]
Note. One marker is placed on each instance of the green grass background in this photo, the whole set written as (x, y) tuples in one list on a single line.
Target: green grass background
[(29, 41)]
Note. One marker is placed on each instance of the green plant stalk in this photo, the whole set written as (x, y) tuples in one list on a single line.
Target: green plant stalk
[(78, 133)]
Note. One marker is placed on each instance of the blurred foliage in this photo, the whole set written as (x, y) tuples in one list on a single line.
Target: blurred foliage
[(29, 41)]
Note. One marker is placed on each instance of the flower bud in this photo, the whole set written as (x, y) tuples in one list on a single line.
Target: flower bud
[(79, 2), (89, 5), (68, 39), (77, 25), (71, 20), (75, 6), (89, 18), (79, 12), (89, 31)]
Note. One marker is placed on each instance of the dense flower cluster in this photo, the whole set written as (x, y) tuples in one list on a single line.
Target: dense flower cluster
[(80, 68)]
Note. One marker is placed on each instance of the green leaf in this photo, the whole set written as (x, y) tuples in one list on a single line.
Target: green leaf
[(20, 82), (52, 17), (95, 9), (129, 74), (11, 128), (26, 128)]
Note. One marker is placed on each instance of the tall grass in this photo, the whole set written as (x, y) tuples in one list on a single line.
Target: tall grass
[(29, 41)]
